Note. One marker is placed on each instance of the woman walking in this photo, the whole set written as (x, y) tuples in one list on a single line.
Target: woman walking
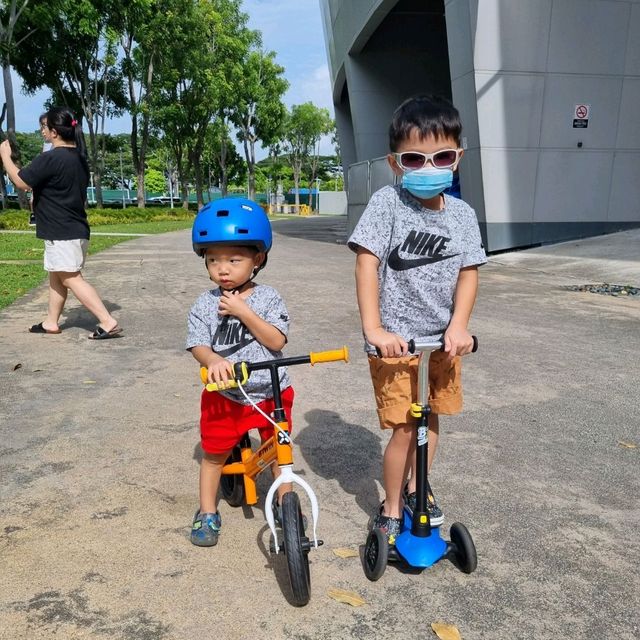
[(59, 180)]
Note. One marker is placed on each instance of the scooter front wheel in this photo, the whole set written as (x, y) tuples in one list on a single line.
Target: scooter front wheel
[(464, 551), (376, 554), (296, 549)]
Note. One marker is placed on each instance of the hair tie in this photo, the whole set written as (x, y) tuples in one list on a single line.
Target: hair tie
[(74, 123)]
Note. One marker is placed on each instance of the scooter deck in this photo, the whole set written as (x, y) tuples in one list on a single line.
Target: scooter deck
[(419, 552)]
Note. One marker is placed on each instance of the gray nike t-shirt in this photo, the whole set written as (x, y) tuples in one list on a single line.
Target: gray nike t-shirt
[(421, 253), (229, 338)]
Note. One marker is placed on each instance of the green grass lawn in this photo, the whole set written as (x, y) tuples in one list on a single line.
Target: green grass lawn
[(21, 254)]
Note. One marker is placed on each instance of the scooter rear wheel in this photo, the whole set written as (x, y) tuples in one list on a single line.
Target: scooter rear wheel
[(296, 549), (464, 551), (376, 554), (232, 486)]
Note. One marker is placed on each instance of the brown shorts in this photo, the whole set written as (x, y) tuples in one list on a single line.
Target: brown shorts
[(395, 384)]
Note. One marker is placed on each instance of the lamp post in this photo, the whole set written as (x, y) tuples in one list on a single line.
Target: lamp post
[(318, 194)]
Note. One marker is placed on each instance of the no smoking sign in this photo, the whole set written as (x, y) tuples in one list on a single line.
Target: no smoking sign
[(581, 114)]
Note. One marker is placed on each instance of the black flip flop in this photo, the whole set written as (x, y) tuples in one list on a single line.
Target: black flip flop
[(38, 328), (101, 334)]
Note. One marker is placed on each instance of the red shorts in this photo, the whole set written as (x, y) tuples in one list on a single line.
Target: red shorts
[(223, 422)]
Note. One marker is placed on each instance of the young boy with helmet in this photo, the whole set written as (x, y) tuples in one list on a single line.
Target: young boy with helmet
[(238, 320)]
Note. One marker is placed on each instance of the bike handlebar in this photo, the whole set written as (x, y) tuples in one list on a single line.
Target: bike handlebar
[(242, 370)]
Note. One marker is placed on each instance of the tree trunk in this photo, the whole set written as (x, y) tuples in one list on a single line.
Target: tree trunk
[(197, 171), (97, 173)]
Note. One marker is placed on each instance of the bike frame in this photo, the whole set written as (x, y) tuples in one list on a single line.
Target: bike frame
[(278, 448)]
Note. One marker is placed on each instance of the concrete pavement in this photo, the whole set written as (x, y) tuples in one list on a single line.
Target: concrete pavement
[(99, 458)]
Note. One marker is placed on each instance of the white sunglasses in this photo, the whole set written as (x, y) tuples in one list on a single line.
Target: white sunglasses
[(412, 160)]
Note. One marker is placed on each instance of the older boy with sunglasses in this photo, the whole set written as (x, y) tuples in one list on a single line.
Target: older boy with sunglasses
[(418, 252)]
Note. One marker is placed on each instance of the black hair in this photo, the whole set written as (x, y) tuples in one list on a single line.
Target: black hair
[(430, 115), (68, 128), (43, 118)]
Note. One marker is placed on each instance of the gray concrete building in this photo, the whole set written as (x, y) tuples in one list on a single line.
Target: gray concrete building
[(548, 91)]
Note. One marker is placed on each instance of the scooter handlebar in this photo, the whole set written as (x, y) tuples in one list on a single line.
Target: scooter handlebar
[(438, 345)]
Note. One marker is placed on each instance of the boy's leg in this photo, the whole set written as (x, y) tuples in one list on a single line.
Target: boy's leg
[(210, 473), (395, 468), (207, 521)]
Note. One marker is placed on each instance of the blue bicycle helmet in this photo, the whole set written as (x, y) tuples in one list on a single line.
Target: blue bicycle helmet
[(235, 221)]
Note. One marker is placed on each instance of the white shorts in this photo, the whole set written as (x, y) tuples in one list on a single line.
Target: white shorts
[(65, 255)]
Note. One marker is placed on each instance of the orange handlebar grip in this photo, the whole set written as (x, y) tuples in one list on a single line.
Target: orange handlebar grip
[(330, 356), (231, 384)]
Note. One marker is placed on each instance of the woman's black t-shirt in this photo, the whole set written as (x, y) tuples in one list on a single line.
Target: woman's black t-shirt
[(59, 179)]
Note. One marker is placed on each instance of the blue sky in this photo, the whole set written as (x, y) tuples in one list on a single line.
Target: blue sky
[(291, 28)]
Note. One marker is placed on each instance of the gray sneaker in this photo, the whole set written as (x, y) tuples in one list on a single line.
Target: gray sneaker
[(391, 528), (205, 529), (436, 517)]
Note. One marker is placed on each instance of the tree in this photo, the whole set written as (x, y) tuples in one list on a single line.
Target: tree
[(220, 156), (258, 112), (195, 83), (74, 55), (149, 30), (9, 15), (304, 127), (155, 181)]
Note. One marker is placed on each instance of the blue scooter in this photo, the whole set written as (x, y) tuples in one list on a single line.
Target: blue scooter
[(419, 544)]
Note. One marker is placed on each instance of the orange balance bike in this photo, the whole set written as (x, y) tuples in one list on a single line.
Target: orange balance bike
[(238, 482)]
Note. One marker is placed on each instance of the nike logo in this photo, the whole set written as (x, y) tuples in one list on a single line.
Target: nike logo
[(402, 264), (236, 347)]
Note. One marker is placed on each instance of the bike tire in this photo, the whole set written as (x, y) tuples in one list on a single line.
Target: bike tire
[(232, 486), (297, 556)]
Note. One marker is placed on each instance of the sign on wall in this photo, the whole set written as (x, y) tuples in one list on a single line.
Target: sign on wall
[(581, 113)]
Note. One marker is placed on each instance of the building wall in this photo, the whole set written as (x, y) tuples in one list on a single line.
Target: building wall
[(517, 69)]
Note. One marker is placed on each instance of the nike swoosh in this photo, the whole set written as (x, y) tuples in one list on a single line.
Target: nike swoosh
[(236, 347), (402, 264)]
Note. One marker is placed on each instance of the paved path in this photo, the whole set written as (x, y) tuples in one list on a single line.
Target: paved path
[(99, 460)]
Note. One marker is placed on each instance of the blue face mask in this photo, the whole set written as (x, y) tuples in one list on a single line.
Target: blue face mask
[(427, 182)]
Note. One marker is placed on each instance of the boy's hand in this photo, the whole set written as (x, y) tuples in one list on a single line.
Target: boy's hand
[(220, 371), (389, 344), (457, 342), (231, 304)]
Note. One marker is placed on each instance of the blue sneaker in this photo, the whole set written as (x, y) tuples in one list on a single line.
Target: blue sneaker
[(205, 529)]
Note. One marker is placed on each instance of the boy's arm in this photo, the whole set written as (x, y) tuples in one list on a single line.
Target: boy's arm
[(457, 339), (264, 332), (219, 370), (389, 344)]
